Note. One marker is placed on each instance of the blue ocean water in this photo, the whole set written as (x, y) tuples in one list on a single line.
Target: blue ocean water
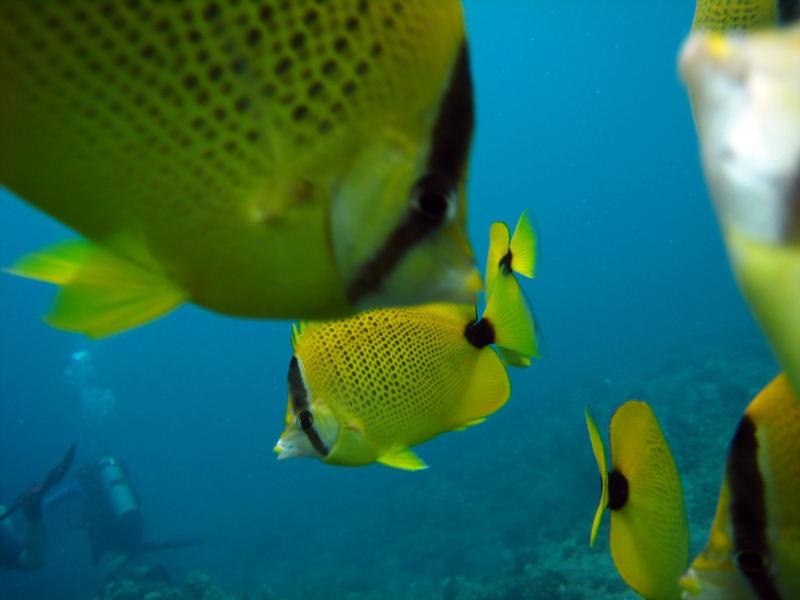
[(581, 119)]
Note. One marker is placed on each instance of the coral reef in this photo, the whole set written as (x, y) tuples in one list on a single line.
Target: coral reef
[(196, 586)]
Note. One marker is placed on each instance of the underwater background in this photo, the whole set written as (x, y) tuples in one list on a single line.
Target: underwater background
[(581, 119)]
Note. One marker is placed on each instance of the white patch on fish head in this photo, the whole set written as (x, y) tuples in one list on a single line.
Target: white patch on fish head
[(311, 427), (745, 91)]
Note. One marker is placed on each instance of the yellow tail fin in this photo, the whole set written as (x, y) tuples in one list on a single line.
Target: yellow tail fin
[(101, 293), (599, 450), (649, 532), (511, 254), (487, 391), (741, 15), (514, 328)]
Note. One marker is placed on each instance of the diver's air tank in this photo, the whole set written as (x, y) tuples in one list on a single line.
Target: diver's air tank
[(120, 496)]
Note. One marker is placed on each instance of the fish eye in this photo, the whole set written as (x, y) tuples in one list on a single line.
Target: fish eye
[(305, 420), (749, 561), (433, 198)]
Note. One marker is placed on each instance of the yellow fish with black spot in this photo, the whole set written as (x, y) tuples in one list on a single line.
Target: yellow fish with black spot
[(369, 388), (743, 77), (753, 552), (261, 159), (642, 490)]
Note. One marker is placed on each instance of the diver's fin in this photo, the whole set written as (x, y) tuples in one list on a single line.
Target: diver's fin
[(488, 389), (508, 313), (401, 457), (649, 532), (101, 293), (743, 15), (32, 499), (599, 449)]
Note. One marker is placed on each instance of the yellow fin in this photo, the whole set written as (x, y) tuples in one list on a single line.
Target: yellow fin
[(101, 293), (599, 450), (498, 247), (470, 424), (649, 533), (401, 457), (297, 332), (523, 247), (487, 390), (507, 311)]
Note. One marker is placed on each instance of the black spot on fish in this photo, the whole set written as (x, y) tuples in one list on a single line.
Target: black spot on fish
[(340, 44), (298, 40), (265, 13), (300, 112), (283, 66), (480, 333), (253, 37), (505, 263), (211, 11), (310, 17), (351, 24), (617, 490)]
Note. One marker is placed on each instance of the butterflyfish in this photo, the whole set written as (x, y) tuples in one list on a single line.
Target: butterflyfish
[(263, 159), (369, 388)]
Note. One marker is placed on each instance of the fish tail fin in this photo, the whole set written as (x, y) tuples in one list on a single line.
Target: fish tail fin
[(487, 391), (599, 449), (101, 293), (649, 531), (514, 328), (511, 253)]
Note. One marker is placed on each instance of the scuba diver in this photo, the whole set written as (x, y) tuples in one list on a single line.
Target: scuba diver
[(112, 518), (29, 551)]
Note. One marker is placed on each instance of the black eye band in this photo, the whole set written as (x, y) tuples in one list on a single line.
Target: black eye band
[(300, 407), (413, 229), (433, 197)]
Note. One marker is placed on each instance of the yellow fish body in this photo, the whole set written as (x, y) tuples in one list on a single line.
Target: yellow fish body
[(745, 93), (642, 490), (753, 551), (743, 15), (368, 388), (261, 159)]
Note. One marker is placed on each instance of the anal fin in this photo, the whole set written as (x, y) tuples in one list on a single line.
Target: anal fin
[(401, 457)]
